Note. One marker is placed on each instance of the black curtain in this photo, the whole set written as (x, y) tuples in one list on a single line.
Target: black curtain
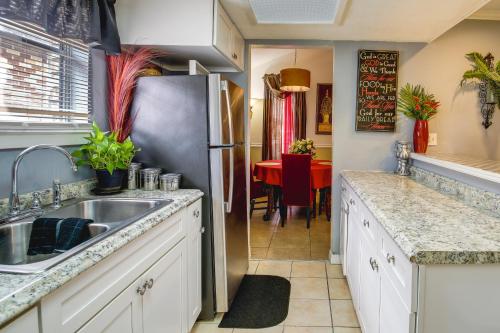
[(91, 21)]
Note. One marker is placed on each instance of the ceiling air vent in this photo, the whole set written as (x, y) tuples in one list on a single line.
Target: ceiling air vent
[(295, 11)]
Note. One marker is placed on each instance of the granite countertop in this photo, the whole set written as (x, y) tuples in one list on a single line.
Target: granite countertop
[(19, 292), (429, 227)]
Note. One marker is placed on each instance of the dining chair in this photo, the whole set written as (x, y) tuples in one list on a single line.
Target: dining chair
[(256, 192), (325, 202), (296, 185)]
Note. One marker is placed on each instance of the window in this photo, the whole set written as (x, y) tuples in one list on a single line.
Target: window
[(43, 79)]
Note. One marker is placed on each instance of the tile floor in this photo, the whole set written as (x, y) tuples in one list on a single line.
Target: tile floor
[(268, 240), (320, 301)]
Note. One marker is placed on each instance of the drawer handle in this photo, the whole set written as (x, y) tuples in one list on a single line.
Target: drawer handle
[(366, 223), (141, 290), (202, 230), (235, 56), (390, 258), (196, 213), (373, 264), (147, 285), (352, 202)]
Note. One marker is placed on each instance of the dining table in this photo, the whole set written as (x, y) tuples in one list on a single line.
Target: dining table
[(270, 171)]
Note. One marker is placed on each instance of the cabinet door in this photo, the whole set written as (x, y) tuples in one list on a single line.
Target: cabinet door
[(27, 323), (369, 289), (164, 307), (223, 29), (194, 262), (122, 315), (344, 216), (394, 316), (238, 48), (353, 257)]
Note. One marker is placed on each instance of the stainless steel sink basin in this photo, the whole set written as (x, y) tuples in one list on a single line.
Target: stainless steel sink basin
[(106, 210), (109, 215)]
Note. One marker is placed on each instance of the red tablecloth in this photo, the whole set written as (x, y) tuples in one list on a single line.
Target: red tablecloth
[(270, 172)]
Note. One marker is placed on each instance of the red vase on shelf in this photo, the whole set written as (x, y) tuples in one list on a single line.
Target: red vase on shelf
[(420, 136)]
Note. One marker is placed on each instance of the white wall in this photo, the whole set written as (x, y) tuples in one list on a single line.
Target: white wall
[(319, 61), (438, 66)]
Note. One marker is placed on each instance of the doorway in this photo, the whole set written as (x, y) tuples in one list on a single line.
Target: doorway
[(293, 241)]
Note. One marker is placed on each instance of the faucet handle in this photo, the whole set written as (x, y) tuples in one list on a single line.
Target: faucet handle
[(36, 202), (56, 193)]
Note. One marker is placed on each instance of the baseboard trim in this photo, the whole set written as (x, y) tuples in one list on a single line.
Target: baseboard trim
[(334, 258)]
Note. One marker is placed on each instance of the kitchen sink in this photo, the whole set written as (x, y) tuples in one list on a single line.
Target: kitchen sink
[(108, 214), (106, 210)]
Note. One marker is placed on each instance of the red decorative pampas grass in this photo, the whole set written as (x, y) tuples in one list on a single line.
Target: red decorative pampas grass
[(123, 71)]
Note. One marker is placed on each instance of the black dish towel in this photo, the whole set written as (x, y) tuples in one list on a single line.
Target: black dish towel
[(43, 236), (71, 232)]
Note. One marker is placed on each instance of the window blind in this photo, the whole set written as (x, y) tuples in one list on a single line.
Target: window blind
[(43, 79)]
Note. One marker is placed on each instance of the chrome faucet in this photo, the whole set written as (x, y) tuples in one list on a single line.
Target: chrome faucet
[(14, 204)]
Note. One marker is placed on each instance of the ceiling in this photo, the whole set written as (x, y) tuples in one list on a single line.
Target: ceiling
[(367, 20)]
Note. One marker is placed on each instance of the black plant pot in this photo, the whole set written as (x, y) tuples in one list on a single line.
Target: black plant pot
[(110, 182)]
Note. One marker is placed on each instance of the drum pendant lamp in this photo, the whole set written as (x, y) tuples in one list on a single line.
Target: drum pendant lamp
[(295, 79)]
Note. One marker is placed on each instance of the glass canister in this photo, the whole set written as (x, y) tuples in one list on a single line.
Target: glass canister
[(170, 181), (134, 176), (150, 178)]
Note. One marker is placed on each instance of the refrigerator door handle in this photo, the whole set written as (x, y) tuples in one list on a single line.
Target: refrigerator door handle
[(228, 205)]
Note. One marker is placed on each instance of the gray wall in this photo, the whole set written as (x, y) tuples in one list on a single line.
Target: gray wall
[(437, 66), (38, 169), (360, 150)]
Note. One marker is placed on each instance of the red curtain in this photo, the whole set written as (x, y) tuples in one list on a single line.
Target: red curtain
[(288, 123)]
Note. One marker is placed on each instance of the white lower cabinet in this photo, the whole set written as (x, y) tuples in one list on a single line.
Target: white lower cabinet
[(153, 303), (151, 285), (194, 263), (122, 315), (353, 257), (372, 261), (394, 316), (369, 289), (26, 323), (165, 298)]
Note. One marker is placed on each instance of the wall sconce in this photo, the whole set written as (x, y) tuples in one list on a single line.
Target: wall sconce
[(487, 98)]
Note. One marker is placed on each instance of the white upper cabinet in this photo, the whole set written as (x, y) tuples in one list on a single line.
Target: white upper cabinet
[(191, 29)]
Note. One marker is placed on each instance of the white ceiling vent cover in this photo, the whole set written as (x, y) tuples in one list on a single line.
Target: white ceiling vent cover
[(295, 11)]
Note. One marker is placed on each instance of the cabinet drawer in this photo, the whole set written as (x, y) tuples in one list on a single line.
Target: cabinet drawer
[(68, 308), (399, 269), (369, 226), (194, 217)]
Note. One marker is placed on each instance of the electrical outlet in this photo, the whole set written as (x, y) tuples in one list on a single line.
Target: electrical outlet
[(433, 139)]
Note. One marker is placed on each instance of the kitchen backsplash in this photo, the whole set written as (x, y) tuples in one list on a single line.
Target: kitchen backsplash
[(68, 191), (470, 195)]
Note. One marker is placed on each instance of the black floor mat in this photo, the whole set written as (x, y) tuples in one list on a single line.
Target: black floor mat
[(261, 301)]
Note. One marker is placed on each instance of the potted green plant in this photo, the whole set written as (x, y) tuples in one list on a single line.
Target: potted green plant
[(303, 146), (107, 156), (415, 103), (484, 71)]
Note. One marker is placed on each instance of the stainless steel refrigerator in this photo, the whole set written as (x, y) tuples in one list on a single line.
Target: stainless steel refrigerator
[(195, 125)]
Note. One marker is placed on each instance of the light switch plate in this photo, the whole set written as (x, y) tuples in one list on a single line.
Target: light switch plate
[(433, 139)]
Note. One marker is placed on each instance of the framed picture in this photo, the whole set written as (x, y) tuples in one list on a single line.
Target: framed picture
[(324, 109), (377, 90)]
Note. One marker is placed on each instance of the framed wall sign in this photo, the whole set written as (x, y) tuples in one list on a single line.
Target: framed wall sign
[(324, 109), (377, 90)]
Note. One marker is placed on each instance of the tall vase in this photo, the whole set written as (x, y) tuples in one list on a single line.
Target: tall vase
[(420, 136)]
